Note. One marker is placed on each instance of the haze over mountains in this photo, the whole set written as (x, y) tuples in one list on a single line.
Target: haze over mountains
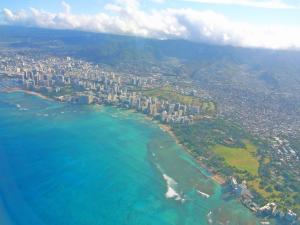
[(258, 69)]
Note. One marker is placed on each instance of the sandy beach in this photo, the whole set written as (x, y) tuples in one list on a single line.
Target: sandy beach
[(10, 90)]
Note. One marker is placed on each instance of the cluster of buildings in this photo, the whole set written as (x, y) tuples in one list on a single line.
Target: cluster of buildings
[(263, 114), (80, 82), (108, 89), (286, 154), (268, 210)]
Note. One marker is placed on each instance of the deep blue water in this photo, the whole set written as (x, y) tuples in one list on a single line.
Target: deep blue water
[(66, 164)]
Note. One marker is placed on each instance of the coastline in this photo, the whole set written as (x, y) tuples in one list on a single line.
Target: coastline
[(166, 128), (215, 177), (11, 90), (186, 173)]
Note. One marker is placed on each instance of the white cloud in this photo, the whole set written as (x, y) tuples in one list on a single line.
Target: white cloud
[(269, 4), (126, 17), (66, 6)]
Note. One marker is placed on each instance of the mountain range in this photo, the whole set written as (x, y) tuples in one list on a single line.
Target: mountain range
[(261, 70)]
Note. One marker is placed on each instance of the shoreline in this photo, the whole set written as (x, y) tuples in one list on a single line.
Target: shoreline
[(11, 90), (215, 177), (166, 128)]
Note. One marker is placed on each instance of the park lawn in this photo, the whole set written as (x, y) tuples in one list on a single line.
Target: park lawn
[(168, 93), (208, 106), (245, 159), (240, 158)]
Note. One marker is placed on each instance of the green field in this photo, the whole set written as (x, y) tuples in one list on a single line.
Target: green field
[(209, 106), (168, 93), (245, 159), (240, 158)]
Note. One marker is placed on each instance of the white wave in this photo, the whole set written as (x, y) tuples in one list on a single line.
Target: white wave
[(171, 185), (203, 194), (171, 191), (209, 215), (20, 107)]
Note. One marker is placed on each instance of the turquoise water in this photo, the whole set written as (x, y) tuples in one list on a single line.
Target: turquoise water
[(66, 164)]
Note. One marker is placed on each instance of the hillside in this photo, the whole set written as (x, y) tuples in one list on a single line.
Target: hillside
[(262, 69)]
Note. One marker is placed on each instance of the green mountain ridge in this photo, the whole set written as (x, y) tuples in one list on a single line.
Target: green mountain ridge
[(248, 68)]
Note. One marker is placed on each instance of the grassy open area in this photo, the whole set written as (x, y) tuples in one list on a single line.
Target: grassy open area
[(209, 106), (240, 158), (168, 93), (246, 159)]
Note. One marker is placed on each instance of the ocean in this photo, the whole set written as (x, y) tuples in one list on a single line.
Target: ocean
[(63, 164)]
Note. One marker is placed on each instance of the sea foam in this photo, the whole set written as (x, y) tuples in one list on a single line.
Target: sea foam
[(171, 191), (171, 185), (203, 194)]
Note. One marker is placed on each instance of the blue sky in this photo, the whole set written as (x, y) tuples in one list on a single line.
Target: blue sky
[(222, 21), (236, 12)]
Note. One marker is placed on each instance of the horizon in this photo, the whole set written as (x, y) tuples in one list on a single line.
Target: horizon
[(255, 24), (291, 50)]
